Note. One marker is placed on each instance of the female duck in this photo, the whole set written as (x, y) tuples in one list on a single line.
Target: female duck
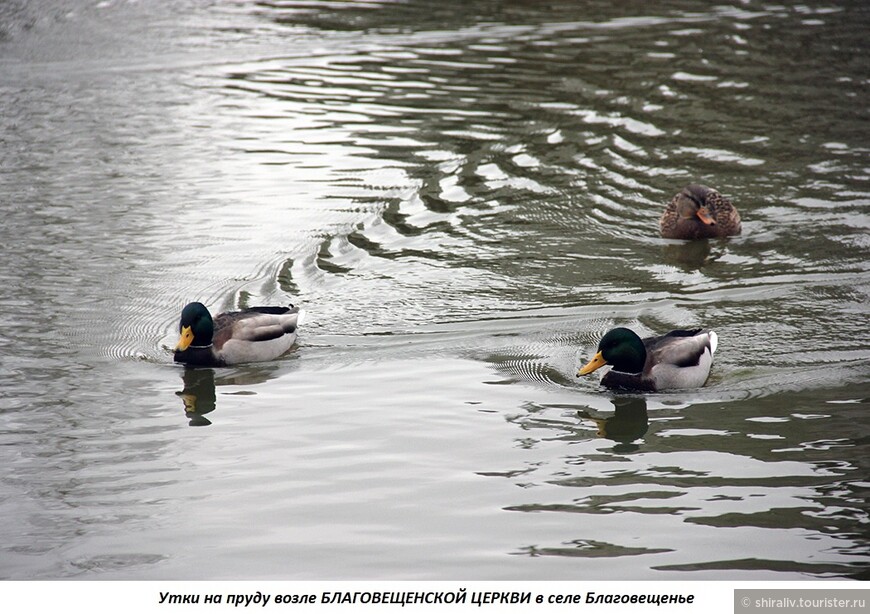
[(698, 212), (679, 359), (250, 335)]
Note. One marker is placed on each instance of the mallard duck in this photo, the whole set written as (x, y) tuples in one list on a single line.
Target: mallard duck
[(250, 335), (699, 212), (679, 359)]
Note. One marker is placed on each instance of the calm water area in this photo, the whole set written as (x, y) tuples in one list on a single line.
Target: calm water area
[(464, 196)]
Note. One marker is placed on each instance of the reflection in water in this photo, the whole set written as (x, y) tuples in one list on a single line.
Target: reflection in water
[(589, 548), (198, 395), (628, 424), (689, 255)]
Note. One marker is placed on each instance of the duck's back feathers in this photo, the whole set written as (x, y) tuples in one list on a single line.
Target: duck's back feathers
[(699, 212), (255, 324), (255, 334), (680, 359), (681, 348)]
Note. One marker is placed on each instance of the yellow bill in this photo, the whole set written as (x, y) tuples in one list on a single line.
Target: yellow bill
[(185, 340), (596, 363)]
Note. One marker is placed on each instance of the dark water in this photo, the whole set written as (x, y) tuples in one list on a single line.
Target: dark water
[(464, 196)]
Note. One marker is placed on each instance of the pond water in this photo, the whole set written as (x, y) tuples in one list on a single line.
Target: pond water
[(464, 196)]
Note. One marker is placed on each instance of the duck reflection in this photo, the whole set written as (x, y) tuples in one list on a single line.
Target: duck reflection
[(198, 395), (690, 255), (628, 424)]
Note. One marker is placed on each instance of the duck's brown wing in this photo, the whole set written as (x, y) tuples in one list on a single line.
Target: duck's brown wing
[(725, 213), (669, 218)]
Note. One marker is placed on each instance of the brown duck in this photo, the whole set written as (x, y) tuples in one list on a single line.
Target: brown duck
[(699, 212)]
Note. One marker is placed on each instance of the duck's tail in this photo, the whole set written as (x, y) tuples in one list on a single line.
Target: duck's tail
[(714, 341)]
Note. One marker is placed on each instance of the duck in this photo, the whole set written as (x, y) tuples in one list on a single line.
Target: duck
[(234, 337), (677, 360), (699, 212)]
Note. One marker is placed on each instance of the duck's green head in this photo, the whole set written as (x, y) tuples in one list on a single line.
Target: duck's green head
[(692, 203), (620, 348), (196, 327)]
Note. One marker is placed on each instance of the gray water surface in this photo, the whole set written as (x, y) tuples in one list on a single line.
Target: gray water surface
[(464, 196)]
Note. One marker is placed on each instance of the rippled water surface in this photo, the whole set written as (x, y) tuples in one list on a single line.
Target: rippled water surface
[(464, 196)]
